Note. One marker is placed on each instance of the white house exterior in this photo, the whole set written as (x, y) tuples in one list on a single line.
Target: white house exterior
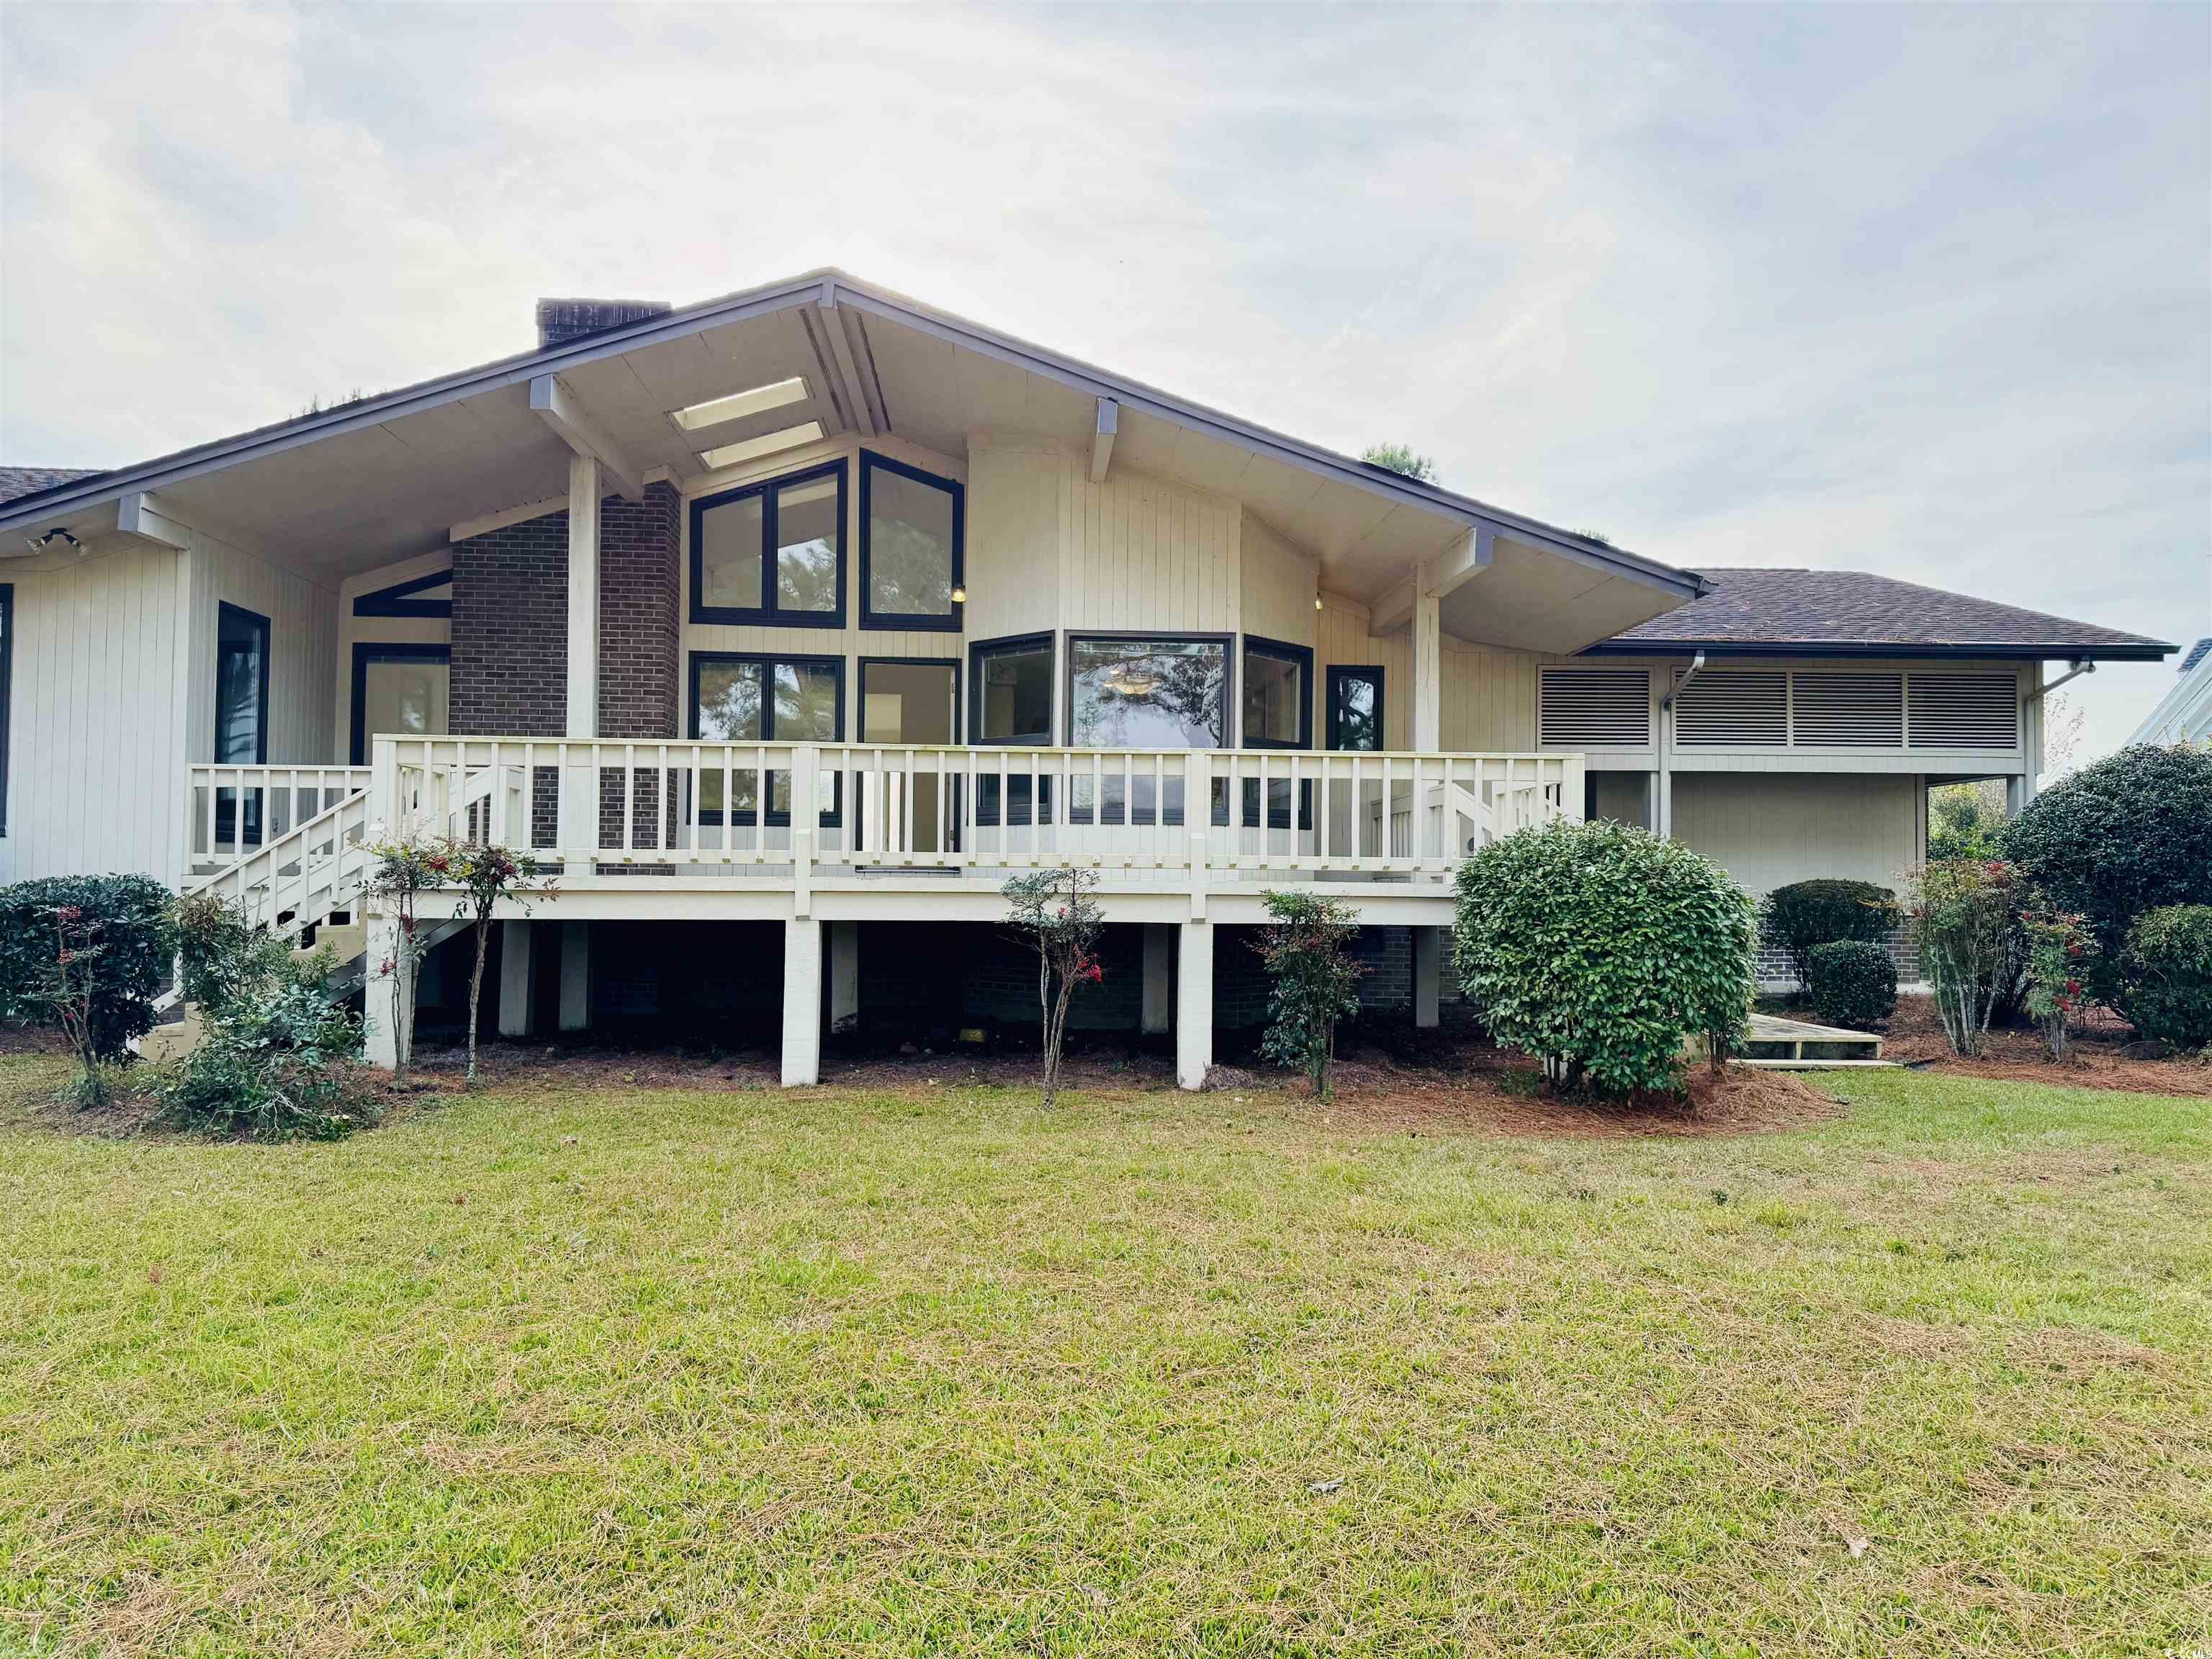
[(634, 597)]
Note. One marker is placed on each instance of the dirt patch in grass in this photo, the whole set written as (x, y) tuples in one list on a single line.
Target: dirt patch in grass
[(2106, 1056)]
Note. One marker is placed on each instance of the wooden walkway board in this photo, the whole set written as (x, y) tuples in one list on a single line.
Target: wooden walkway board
[(1776, 1042)]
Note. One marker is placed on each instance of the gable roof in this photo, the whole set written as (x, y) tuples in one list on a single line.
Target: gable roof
[(16, 482), (1784, 612)]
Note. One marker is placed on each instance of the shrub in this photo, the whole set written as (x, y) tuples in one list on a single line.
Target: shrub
[(2060, 951), (127, 916), (277, 1066), (1601, 948), (1809, 912), (2166, 970), (1316, 980), (222, 955), (1964, 819), (1962, 921), (1853, 983), (2130, 834), (1055, 914)]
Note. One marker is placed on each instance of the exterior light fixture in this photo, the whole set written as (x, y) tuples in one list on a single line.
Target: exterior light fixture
[(767, 443), (959, 596), (756, 400)]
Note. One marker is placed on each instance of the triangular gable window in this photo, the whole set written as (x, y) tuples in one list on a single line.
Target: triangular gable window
[(425, 596)]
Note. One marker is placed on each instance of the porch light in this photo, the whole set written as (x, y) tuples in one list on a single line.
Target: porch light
[(959, 596), (767, 443), (739, 405)]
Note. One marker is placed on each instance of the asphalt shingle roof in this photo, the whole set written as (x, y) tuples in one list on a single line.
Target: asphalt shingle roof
[(16, 481), (1823, 610)]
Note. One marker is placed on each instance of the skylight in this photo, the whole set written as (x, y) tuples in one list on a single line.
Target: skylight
[(767, 444), (739, 405)]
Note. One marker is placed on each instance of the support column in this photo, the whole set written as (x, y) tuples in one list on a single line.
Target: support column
[(575, 976), (1428, 670), (844, 942), (1428, 975), (1153, 1013), (579, 787), (516, 940), (802, 1002), (1193, 1003), (380, 991)]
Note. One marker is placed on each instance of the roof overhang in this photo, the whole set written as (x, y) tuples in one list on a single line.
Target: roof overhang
[(2153, 651), (384, 477)]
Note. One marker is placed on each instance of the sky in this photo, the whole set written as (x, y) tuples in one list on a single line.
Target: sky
[(1919, 290)]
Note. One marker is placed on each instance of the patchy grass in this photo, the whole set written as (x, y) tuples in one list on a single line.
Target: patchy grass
[(928, 1371)]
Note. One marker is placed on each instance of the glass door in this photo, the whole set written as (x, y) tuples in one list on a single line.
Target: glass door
[(909, 702), (399, 691), (241, 718)]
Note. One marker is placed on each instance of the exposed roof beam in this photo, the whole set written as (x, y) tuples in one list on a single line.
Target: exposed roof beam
[(849, 373), (556, 405), (1102, 441), (1466, 559), (142, 512)]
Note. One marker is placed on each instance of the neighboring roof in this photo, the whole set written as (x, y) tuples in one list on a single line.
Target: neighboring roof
[(2184, 714), (2197, 652), (1849, 612), (16, 481), (830, 287)]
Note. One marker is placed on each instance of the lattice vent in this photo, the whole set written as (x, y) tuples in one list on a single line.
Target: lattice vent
[(1733, 708), (1848, 711), (1965, 711), (1595, 707)]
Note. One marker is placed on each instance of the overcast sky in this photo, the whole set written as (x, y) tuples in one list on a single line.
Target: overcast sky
[(1921, 291)]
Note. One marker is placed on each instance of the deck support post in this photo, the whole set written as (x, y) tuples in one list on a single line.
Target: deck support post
[(1153, 1015), (802, 1001), (381, 991), (516, 940), (844, 945), (1428, 671), (1428, 976), (1193, 1003), (579, 786), (575, 976)]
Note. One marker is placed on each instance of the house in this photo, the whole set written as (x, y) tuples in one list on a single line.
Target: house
[(2184, 714), (788, 623)]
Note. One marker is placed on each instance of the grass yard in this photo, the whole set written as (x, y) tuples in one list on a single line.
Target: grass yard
[(928, 1371)]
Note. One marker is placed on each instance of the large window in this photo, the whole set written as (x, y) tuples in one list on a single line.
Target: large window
[(773, 552), (1010, 691), (1355, 706), (398, 689), (747, 699), (1147, 691), (242, 716), (7, 679), (1278, 695), (911, 528)]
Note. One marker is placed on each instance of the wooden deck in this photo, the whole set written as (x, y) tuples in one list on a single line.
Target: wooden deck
[(1779, 1044)]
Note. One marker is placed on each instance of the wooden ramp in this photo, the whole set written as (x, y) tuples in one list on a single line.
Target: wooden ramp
[(1796, 1045)]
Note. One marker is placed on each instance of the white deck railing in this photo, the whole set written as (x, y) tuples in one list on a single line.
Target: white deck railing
[(232, 812), (709, 808)]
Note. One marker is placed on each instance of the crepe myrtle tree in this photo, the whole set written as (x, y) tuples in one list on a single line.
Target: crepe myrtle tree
[(1054, 914), (488, 876)]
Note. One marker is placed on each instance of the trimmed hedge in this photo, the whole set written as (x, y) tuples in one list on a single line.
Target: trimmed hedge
[(1601, 948), (132, 967), (1805, 914), (2167, 971), (1853, 983), (2130, 834)]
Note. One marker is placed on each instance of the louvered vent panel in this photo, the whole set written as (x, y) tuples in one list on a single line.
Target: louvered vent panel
[(1595, 708), (1738, 709), (1965, 711), (1848, 711)]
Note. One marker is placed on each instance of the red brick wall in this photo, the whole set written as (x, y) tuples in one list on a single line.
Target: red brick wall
[(510, 673)]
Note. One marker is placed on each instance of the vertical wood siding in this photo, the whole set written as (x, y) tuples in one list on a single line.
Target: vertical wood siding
[(303, 638), (1768, 829), (1279, 579)]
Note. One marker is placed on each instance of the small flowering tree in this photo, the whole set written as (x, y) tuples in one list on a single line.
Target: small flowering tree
[(404, 870), (1962, 921), (69, 992), (1053, 912), (487, 874), (1307, 951), (2062, 949)]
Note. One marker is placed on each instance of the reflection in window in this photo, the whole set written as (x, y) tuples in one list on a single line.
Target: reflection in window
[(1277, 699), (771, 552), (242, 716), (761, 700), (1148, 693), (1355, 707), (910, 545), (1012, 701), (399, 691)]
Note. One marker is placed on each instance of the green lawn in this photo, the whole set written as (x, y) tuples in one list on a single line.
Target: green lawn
[(663, 1372)]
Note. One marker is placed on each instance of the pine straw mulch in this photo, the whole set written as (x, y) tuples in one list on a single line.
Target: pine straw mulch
[(2106, 1056)]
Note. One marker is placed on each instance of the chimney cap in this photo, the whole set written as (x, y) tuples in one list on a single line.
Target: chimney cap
[(560, 321)]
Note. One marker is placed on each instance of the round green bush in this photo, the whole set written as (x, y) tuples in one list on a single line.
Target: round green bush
[(1809, 912), (2130, 834), (2167, 971), (1601, 948), (131, 967), (1852, 983)]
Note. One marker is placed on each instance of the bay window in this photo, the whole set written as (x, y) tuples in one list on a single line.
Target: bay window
[(762, 699), (773, 552), (911, 526)]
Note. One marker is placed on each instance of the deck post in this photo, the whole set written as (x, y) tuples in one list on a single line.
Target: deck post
[(802, 1002), (381, 991), (1193, 1003), (1428, 673), (1152, 1013), (516, 939), (1428, 976), (575, 976)]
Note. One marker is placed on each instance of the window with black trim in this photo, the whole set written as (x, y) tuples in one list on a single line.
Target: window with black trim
[(1146, 691), (772, 552), (399, 690), (7, 682), (241, 715), (743, 698), (1278, 695), (1355, 706), (912, 526), (1010, 701)]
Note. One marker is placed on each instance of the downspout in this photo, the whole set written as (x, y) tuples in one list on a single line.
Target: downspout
[(2031, 711), (1666, 801)]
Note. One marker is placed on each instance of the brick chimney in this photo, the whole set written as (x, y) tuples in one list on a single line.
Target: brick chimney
[(562, 320)]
